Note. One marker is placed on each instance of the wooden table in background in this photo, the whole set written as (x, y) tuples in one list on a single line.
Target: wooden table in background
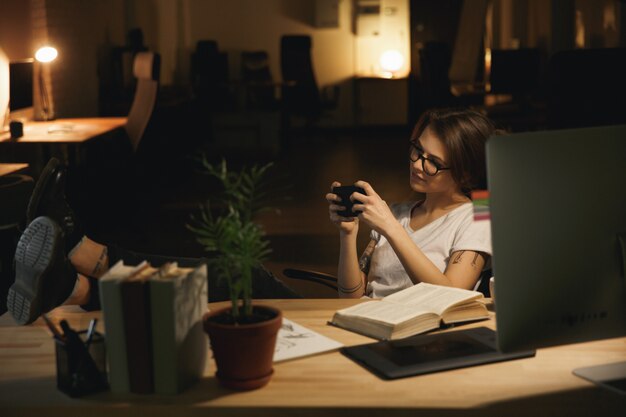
[(77, 130), (325, 384), (7, 169), (62, 138)]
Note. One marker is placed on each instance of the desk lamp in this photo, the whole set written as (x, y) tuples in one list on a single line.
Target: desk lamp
[(45, 55), (391, 61)]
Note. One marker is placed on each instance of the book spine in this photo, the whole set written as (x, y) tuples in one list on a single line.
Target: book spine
[(111, 303), (164, 355), (136, 307)]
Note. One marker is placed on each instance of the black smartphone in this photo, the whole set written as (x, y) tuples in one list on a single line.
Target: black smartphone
[(345, 191)]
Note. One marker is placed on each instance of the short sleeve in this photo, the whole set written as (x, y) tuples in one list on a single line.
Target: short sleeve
[(474, 236)]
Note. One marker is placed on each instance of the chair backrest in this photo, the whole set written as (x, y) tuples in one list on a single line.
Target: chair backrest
[(587, 88), (296, 65), (209, 74), (256, 74), (146, 69), (435, 89)]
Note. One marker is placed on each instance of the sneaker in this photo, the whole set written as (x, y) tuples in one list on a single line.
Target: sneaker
[(48, 199), (44, 277)]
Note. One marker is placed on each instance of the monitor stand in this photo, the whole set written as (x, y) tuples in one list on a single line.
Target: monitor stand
[(611, 376)]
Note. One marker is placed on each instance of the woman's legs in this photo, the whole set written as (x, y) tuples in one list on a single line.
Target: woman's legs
[(90, 258)]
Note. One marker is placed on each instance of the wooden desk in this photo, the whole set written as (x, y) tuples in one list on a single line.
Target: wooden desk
[(6, 169), (326, 384), (65, 131), (62, 138)]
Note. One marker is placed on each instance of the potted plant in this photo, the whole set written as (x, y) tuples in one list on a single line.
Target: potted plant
[(242, 336)]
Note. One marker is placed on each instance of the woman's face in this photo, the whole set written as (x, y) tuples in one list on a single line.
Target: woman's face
[(434, 150)]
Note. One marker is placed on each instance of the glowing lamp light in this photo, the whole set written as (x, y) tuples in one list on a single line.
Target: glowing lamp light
[(46, 54), (391, 61)]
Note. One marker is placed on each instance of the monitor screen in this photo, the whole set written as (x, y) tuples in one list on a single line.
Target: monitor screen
[(558, 221), (20, 85)]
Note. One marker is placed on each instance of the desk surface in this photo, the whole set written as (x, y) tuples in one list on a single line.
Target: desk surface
[(66, 130), (6, 169), (325, 384)]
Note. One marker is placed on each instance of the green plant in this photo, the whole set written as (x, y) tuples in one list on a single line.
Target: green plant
[(235, 243)]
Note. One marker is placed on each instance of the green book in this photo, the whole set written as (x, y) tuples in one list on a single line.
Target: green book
[(114, 327), (178, 300)]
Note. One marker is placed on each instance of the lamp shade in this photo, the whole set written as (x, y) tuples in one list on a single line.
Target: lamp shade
[(391, 61), (46, 54)]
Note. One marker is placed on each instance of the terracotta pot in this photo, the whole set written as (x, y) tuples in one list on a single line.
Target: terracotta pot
[(243, 353)]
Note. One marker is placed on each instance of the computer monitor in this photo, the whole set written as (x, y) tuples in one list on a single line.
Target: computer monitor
[(21, 89), (558, 221)]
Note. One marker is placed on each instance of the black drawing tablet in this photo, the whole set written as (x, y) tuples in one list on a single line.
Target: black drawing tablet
[(427, 353)]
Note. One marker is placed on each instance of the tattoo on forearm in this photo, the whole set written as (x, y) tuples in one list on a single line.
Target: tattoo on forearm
[(101, 262), (350, 290), (457, 258)]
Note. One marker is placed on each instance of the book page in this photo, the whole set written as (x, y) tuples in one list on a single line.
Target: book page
[(295, 341), (120, 270), (434, 298), (381, 311)]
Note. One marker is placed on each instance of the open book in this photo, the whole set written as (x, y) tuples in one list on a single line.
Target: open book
[(414, 310)]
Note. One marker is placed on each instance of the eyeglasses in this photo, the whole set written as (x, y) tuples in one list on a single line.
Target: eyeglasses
[(430, 167)]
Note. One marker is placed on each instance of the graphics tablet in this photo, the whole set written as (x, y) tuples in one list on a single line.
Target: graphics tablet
[(423, 354)]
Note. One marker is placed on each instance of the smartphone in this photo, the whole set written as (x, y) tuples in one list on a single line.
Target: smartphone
[(345, 191)]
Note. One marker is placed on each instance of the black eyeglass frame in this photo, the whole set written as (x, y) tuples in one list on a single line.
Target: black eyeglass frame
[(420, 155)]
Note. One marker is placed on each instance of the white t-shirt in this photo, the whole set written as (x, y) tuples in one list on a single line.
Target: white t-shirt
[(450, 233)]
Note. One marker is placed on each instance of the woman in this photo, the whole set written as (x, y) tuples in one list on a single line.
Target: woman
[(434, 239)]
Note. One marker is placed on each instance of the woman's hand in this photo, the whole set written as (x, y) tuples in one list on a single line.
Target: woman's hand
[(375, 211), (346, 225)]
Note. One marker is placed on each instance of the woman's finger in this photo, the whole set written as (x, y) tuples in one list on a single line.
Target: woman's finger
[(369, 190), (331, 198)]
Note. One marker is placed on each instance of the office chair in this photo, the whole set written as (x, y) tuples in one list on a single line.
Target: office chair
[(330, 281), (146, 69), (209, 76), (435, 87), (124, 162), (517, 78), (300, 94), (15, 191), (258, 82), (117, 82), (586, 88)]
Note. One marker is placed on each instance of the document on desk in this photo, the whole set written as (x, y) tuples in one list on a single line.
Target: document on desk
[(295, 341)]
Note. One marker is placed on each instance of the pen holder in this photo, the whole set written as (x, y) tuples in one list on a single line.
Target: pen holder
[(81, 369)]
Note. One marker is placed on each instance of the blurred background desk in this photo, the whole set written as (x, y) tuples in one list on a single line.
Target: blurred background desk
[(7, 169), (62, 138), (325, 384)]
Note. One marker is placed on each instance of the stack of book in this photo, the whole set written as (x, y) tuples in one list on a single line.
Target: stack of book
[(153, 323), (480, 201)]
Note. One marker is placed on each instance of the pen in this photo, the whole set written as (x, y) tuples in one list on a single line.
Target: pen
[(52, 328), (90, 332)]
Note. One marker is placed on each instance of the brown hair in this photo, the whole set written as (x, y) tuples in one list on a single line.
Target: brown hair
[(463, 133)]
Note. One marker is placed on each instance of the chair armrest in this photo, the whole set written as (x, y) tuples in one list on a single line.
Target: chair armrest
[(313, 276)]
